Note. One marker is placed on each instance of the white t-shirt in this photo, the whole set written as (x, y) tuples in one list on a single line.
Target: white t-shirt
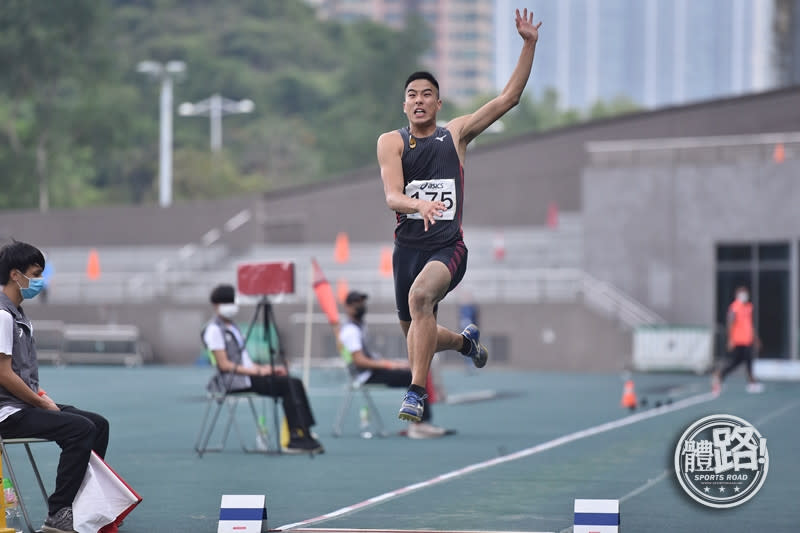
[(351, 337), (215, 340), (6, 332), (6, 347)]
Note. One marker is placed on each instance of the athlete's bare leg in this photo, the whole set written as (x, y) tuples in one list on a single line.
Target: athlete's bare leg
[(423, 335), (446, 339)]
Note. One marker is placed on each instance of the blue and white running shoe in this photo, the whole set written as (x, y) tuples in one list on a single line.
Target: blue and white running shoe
[(478, 352), (412, 407)]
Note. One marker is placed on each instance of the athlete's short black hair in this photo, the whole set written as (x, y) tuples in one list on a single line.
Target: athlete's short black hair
[(18, 255), (223, 294), (423, 75)]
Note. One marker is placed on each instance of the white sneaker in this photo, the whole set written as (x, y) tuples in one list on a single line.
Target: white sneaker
[(424, 430), (755, 387)]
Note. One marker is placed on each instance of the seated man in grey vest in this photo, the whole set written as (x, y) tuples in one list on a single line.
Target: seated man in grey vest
[(238, 372), (25, 409)]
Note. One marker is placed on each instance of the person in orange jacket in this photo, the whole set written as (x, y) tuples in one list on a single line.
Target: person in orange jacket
[(743, 342)]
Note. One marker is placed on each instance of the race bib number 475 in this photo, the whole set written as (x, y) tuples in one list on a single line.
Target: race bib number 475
[(443, 190)]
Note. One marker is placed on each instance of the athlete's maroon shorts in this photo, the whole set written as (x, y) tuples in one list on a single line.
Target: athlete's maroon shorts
[(409, 262)]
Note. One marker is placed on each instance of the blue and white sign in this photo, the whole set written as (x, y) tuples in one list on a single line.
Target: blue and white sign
[(596, 516), (242, 514)]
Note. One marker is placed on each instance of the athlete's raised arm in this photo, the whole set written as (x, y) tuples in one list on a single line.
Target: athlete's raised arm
[(390, 150), (467, 127)]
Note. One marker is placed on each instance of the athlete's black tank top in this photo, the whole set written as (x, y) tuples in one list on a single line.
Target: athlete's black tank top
[(431, 171)]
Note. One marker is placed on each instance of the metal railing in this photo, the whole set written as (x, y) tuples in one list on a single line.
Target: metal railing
[(485, 285), (607, 299)]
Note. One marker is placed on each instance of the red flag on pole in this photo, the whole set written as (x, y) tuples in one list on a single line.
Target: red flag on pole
[(324, 293)]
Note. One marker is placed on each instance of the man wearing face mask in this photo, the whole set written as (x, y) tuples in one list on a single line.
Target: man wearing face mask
[(393, 373), (25, 409), (238, 373), (743, 342)]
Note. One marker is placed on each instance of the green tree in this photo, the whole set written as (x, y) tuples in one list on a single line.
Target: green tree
[(50, 52), (542, 114), (616, 106), (80, 125)]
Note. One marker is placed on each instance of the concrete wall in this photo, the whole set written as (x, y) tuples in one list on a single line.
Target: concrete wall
[(542, 336), (128, 225), (643, 225), (512, 183), (508, 183), (651, 227)]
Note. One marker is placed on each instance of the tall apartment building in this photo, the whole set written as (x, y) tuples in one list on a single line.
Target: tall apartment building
[(462, 50), (655, 52), (787, 41)]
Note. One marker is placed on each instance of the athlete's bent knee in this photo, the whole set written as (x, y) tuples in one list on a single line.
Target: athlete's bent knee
[(420, 301)]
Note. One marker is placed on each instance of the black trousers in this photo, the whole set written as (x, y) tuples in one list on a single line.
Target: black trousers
[(739, 355), (76, 432), (398, 377), (296, 407)]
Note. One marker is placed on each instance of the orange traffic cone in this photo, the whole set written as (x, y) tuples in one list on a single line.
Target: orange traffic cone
[(779, 154), (552, 215), (629, 396), (93, 265), (386, 267), (341, 249)]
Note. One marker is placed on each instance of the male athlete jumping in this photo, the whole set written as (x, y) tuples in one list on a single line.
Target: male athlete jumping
[(422, 168)]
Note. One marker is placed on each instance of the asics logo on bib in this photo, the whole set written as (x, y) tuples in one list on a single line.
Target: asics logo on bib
[(431, 186)]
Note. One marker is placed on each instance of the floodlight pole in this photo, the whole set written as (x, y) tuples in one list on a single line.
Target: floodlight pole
[(215, 118), (165, 144), (166, 73), (215, 106)]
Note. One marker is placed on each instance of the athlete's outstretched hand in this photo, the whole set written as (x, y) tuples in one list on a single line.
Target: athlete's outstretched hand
[(430, 211), (527, 30)]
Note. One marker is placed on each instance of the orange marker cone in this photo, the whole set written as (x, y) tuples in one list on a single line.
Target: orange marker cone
[(341, 250), (386, 268), (499, 247), (779, 154), (552, 215), (93, 265), (629, 396)]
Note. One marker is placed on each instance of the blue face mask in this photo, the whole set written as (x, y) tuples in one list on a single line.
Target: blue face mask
[(35, 286)]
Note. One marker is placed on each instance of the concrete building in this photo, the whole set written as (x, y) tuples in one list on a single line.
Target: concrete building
[(678, 224), (668, 210), (462, 34)]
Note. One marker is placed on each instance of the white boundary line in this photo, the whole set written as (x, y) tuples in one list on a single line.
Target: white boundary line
[(766, 418), (652, 482), (646, 485), (345, 530), (560, 441)]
